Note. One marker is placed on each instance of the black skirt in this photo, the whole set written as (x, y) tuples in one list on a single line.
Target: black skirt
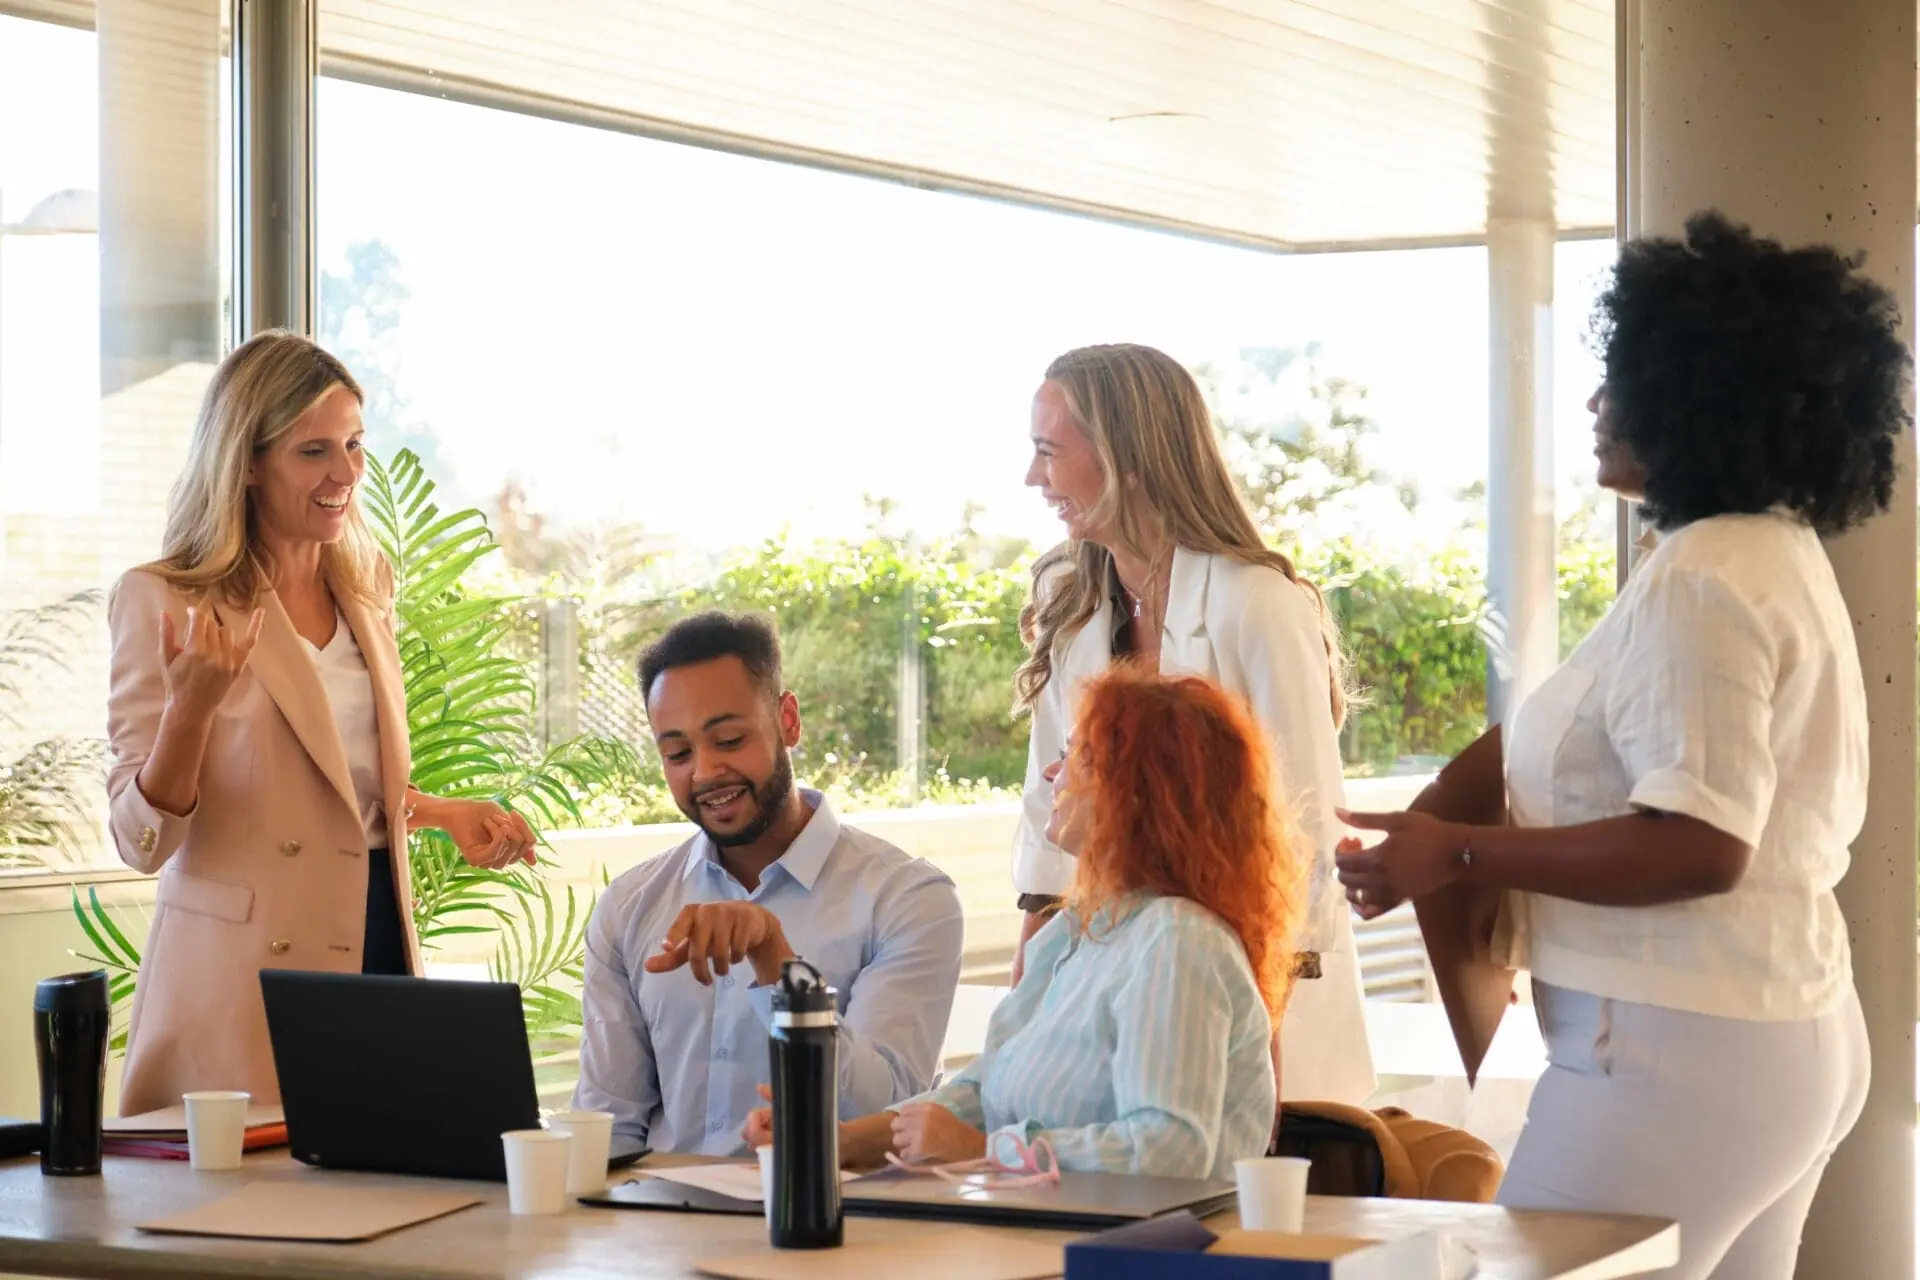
[(385, 950)]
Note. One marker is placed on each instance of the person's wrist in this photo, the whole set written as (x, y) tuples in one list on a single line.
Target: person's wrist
[(1460, 857), (769, 957), (424, 810), (184, 712)]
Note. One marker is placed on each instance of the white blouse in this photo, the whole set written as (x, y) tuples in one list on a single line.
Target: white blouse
[(1724, 684), (349, 686)]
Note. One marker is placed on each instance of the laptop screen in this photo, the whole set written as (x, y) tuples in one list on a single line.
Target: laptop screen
[(400, 1075)]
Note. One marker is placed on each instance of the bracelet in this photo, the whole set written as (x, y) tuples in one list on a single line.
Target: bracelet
[(1466, 847)]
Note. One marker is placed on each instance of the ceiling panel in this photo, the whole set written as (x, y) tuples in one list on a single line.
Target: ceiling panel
[(1289, 124), (1285, 124)]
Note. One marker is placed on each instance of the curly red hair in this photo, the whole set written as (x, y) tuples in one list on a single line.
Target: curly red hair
[(1177, 783)]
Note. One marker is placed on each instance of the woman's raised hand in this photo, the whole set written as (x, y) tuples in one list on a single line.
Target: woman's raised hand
[(203, 664)]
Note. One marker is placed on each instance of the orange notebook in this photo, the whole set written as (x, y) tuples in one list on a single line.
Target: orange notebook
[(162, 1134)]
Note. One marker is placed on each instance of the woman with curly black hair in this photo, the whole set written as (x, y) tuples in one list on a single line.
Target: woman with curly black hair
[(1676, 802)]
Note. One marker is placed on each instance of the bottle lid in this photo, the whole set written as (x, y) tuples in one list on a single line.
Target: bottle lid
[(72, 993), (802, 997)]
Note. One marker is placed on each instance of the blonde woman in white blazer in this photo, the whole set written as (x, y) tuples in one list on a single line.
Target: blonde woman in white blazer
[(1165, 566)]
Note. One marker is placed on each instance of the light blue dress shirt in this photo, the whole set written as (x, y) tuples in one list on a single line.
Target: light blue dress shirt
[(677, 1063), (1138, 1047)]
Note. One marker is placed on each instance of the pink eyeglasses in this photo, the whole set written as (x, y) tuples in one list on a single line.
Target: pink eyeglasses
[(1031, 1166)]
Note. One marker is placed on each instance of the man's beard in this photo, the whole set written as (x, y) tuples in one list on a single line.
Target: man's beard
[(768, 799)]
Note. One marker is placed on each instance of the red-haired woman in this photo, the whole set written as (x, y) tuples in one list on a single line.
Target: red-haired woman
[(1139, 1040)]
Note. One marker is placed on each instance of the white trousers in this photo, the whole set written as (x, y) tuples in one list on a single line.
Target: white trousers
[(1722, 1124), (1324, 1053)]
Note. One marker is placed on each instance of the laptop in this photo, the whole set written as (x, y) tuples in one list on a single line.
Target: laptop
[(400, 1075), (1081, 1202)]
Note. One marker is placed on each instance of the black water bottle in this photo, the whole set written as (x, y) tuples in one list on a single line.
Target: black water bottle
[(805, 1212), (72, 1022)]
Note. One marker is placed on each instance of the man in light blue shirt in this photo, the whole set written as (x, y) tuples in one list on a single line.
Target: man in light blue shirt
[(682, 951)]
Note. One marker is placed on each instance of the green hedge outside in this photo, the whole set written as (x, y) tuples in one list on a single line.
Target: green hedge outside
[(1414, 635)]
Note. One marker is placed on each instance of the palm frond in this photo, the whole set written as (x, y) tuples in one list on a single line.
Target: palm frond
[(112, 952), (48, 793), (32, 640), (48, 799), (544, 952)]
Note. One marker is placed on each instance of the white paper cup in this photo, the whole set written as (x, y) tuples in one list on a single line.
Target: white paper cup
[(591, 1133), (537, 1170), (216, 1128), (1273, 1192), (766, 1181)]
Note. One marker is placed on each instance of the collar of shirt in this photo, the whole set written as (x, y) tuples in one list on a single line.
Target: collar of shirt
[(1652, 539), (801, 863)]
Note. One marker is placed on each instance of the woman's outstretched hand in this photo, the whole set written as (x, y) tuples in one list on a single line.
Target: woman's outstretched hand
[(1419, 855), (202, 664)]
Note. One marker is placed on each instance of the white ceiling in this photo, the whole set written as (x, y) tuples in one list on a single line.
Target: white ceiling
[(1281, 123)]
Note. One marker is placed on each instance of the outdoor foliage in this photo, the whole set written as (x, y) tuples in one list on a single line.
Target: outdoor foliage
[(470, 702), (50, 790), (1414, 636)]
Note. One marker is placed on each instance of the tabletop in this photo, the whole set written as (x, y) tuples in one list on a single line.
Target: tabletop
[(85, 1227)]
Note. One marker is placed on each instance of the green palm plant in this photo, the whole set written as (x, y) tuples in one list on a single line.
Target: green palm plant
[(471, 719), (47, 792), (113, 952), (470, 704)]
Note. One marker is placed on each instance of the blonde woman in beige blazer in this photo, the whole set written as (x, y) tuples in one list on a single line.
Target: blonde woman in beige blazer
[(259, 730)]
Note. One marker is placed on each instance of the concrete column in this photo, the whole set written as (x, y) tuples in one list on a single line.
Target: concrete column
[(559, 672), (1521, 533), (1524, 640), (275, 65), (1799, 119), (910, 699)]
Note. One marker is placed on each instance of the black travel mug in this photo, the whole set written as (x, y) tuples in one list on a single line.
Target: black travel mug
[(805, 1213), (72, 1022)]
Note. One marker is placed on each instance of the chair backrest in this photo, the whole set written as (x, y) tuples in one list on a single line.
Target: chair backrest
[(1386, 1153), (1346, 1157)]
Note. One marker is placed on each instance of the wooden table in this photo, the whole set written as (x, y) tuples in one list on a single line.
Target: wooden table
[(84, 1227)]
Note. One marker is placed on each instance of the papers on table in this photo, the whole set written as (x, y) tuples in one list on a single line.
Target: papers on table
[(169, 1124), (738, 1181), (162, 1134)]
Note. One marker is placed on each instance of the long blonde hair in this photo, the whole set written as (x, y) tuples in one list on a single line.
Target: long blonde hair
[(212, 543), (1165, 473)]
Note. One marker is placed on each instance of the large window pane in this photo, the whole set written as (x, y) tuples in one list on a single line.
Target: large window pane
[(112, 228), (110, 321), (676, 376)]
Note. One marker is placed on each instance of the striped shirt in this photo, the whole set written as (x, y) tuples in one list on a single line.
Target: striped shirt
[(1138, 1047)]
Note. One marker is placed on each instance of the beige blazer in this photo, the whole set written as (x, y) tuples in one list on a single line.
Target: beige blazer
[(269, 871)]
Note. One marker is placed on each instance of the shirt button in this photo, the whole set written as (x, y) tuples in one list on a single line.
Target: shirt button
[(728, 981), (148, 839), (280, 946), (720, 1055), (290, 848)]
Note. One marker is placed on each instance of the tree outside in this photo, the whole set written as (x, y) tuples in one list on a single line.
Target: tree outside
[(897, 623)]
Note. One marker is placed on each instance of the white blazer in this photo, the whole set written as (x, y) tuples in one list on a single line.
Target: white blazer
[(1258, 635)]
